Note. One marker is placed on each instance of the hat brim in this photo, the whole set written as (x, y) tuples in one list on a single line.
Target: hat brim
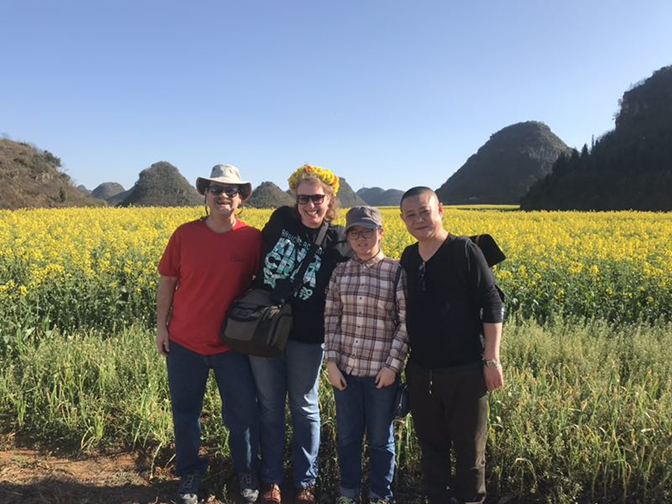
[(202, 184), (364, 223)]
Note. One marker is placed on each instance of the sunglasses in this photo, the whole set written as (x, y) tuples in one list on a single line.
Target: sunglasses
[(216, 190), (422, 280), (303, 199), (365, 233)]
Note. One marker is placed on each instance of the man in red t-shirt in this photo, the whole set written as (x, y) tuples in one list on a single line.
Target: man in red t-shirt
[(208, 263)]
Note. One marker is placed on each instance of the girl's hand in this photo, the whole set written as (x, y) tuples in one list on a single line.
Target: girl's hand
[(335, 376), (385, 377)]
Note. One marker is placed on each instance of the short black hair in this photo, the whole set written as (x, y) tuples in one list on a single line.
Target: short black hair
[(417, 191)]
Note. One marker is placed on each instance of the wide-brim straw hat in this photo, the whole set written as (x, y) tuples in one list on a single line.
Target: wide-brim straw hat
[(225, 174)]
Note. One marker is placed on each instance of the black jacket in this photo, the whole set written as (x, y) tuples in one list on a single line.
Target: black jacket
[(285, 242), (445, 307)]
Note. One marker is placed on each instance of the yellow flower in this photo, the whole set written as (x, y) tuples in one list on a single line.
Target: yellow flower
[(93, 252), (325, 175)]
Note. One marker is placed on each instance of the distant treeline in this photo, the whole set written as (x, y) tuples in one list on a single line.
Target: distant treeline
[(627, 168)]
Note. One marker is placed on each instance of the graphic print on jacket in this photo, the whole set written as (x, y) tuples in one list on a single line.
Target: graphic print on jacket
[(285, 259)]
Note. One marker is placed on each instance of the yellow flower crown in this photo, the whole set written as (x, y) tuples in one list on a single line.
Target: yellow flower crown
[(325, 175)]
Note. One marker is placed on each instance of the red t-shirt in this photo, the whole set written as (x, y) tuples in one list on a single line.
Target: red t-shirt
[(212, 269)]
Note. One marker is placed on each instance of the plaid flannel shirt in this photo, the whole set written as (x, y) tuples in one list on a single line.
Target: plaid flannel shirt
[(365, 329)]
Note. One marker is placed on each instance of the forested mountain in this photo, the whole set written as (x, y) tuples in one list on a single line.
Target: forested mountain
[(30, 177), (162, 185), (505, 167), (269, 195), (107, 190), (628, 168), (347, 197), (377, 196), (120, 197)]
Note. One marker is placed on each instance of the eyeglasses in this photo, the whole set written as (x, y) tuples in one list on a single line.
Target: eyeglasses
[(422, 281), (303, 199), (364, 233), (216, 190)]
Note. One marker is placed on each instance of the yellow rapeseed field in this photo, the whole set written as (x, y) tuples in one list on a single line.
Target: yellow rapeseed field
[(585, 415), (97, 267)]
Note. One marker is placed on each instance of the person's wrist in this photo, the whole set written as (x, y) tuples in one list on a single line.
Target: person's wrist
[(492, 363)]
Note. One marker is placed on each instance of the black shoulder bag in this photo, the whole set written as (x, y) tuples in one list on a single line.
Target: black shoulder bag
[(259, 322)]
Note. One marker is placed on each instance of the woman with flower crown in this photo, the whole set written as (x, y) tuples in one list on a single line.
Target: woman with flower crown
[(287, 237)]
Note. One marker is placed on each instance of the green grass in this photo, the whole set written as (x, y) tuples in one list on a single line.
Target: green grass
[(586, 415)]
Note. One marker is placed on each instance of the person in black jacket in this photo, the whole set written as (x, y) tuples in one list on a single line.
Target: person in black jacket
[(451, 367), (286, 239)]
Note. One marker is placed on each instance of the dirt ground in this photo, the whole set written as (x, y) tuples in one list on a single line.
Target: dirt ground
[(31, 477)]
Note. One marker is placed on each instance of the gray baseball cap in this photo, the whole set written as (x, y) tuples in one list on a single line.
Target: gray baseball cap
[(225, 174), (365, 216)]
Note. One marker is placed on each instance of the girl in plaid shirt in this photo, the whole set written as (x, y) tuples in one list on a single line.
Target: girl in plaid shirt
[(365, 349)]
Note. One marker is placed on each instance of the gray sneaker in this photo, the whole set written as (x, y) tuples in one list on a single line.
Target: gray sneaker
[(346, 500), (187, 493), (249, 487)]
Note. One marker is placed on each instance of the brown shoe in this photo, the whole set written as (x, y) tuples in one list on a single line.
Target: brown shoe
[(270, 494), (305, 495)]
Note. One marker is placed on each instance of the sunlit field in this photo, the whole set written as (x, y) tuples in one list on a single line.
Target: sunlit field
[(96, 268), (586, 415)]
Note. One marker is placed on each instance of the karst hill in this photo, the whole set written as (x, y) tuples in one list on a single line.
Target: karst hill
[(505, 167), (31, 178), (377, 196), (269, 195), (107, 191), (347, 197), (162, 185)]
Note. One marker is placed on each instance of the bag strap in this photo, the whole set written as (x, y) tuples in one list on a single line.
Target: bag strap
[(460, 258), (397, 276), (298, 279)]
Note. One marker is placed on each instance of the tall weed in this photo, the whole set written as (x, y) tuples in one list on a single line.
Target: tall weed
[(586, 415)]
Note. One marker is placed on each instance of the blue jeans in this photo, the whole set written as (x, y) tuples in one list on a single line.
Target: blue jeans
[(187, 376), (295, 374), (363, 406)]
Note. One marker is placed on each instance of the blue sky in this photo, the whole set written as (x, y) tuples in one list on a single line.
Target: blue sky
[(386, 93)]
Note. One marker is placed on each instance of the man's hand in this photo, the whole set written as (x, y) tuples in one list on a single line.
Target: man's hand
[(164, 300), (385, 377), (335, 376), (162, 340), (494, 377)]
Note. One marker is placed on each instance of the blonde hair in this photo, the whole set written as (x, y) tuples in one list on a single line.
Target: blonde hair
[(312, 179)]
